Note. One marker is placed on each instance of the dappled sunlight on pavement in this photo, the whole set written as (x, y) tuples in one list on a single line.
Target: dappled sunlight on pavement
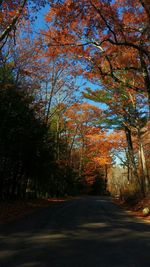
[(80, 233)]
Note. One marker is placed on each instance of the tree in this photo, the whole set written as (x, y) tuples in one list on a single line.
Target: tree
[(22, 138), (58, 85), (126, 113), (114, 43), (24, 69), (11, 14), (89, 144), (112, 39)]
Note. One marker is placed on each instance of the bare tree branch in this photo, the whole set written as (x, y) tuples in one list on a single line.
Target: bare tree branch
[(14, 21)]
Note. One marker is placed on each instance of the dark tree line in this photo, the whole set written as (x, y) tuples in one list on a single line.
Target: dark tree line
[(35, 155), (28, 148)]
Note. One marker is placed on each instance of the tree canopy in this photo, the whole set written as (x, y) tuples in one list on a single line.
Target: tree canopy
[(74, 96)]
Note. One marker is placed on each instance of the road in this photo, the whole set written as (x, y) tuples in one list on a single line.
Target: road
[(83, 232)]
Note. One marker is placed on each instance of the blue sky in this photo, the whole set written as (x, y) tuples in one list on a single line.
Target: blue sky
[(41, 24)]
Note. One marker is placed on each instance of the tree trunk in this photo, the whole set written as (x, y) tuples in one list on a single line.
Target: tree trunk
[(132, 162), (143, 167)]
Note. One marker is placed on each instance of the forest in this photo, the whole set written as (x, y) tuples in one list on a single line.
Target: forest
[(74, 98)]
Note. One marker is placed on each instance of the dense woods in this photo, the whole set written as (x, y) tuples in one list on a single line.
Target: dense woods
[(74, 98)]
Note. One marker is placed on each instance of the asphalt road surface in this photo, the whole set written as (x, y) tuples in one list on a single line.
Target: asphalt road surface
[(83, 232)]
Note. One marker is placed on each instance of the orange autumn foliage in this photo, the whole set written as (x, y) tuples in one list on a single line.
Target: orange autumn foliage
[(93, 143), (111, 37)]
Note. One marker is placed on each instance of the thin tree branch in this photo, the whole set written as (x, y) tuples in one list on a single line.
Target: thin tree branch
[(146, 6), (14, 21)]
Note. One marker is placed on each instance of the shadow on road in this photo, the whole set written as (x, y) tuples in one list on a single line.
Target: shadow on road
[(84, 232)]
